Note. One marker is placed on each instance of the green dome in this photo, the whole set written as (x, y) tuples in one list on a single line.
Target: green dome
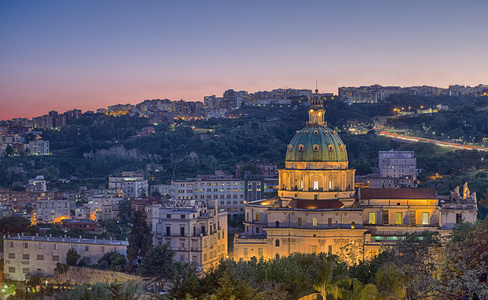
[(316, 143)]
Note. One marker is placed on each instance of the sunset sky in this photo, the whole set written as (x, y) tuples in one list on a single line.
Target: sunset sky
[(91, 54)]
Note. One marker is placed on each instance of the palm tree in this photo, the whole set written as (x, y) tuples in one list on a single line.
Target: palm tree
[(332, 285)]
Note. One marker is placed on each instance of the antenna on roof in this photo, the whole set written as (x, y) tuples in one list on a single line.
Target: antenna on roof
[(316, 86)]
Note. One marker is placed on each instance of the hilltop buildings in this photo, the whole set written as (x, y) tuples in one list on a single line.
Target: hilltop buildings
[(318, 210)]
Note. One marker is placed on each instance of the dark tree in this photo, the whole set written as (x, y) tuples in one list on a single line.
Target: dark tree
[(72, 257), (140, 240), (158, 262)]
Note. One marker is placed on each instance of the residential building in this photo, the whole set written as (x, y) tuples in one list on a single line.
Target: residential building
[(27, 256), (162, 189), (195, 230), (38, 147), (397, 164), (130, 184)]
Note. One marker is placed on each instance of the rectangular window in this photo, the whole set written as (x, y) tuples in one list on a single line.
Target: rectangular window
[(413, 217), (314, 222), (315, 185), (245, 252), (459, 218), (329, 222), (26, 245), (373, 253), (55, 246), (372, 218), (330, 248), (386, 219), (11, 255), (11, 270), (25, 256), (87, 248), (398, 218), (168, 230), (257, 217), (260, 252), (25, 270), (425, 218), (40, 257), (11, 244), (182, 231), (314, 249), (299, 221), (55, 258)]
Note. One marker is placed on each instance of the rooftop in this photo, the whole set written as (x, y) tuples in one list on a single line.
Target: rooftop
[(67, 240), (402, 193)]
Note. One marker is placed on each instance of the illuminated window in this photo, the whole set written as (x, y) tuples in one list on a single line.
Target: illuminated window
[(314, 249), (398, 218), (331, 147), (315, 185), (425, 218), (353, 225), (315, 148), (300, 148), (257, 217), (315, 132), (372, 218), (277, 243), (314, 222)]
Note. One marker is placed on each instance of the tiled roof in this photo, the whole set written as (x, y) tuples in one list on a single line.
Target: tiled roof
[(402, 193)]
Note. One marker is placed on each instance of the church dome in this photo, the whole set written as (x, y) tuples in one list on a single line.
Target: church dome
[(316, 143)]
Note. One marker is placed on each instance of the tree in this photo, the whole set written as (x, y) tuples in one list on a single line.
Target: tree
[(113, 261), (158, 263), (72, 257), (9, 150), (140, 240)]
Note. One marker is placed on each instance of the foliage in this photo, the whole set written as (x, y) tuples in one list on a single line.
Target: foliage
[(158, 263), (140, 240), (72, 257), (123, 291), (113, 260)]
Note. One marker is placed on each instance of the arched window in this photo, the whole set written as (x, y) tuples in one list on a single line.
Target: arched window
[(277, 243), (331, 147), (326, 132), (300, 148), (277, 256), (277, 223), (353, 225), (315, 148)]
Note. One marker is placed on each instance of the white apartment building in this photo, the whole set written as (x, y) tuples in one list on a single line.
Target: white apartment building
[(26, 256), (195, 230), (38, 147), (162, 189), (51, 210), (397, 164), (129, 184)]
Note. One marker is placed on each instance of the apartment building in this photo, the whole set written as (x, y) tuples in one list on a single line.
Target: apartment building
[(397, 164), (130, 184), (27, 256), (195, 230)]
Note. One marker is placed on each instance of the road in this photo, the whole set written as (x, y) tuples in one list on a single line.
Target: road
[(412, 139)]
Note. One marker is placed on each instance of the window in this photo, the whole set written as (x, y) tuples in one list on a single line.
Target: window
[(55, 258), (300, 148), (330, 248), (11, 244), (331, 147), (11, 270), (398, 218), (40, 257), (315, 148), (373, 253), (55, 246), (299, 221), (26, 245), (314, 222), (277, 243), (277, 223), (277, 256), (315, 185), (245, 252), (87, 248), (257, 217), (329, 222), (25, 270), (257, 229), (182, 231), (459, 218), (25, 256), (425, 218), (314, 249), (11, 255), (353, 225), (182, 216), (372, 218), (168, 230)]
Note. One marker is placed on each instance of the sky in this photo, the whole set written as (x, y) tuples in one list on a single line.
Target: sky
[(89, 54)]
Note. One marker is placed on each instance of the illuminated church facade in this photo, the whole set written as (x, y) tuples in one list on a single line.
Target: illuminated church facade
[(318, 208)]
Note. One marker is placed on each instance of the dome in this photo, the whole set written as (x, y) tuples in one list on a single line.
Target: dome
[(316, 143)]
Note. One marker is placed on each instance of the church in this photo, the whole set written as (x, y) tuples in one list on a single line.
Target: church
[(318, 209)]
